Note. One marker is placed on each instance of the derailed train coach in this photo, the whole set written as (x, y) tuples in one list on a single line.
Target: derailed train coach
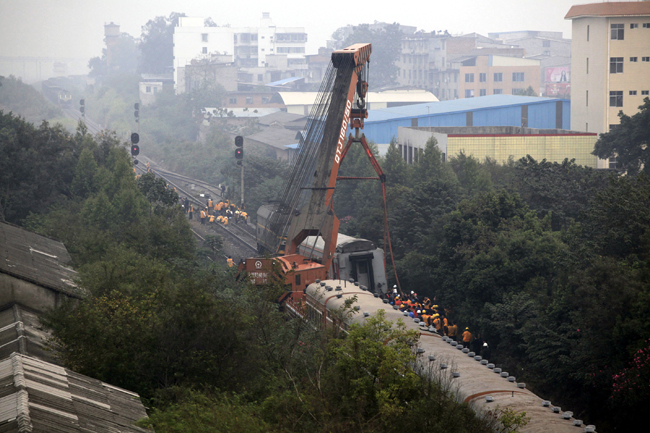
[(472, 379), (357, 259)]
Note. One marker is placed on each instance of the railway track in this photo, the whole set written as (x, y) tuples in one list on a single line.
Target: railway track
[(244, 236), (241, 235)]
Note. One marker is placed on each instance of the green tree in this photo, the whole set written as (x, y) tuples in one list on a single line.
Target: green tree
[(156, 44), (386, 40), (628, 142), (123, 58)]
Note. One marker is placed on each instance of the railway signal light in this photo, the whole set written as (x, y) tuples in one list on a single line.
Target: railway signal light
[(135, 138), (239, 150), (136, 113), (82, 106), (135, 150)]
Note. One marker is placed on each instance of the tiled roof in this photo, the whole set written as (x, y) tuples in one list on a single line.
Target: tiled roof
[(21, 332), (35, 258), (609, 9), (37, 396)]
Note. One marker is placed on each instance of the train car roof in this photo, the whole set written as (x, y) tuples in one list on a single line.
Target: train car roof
[(475, 382), (344, 244)]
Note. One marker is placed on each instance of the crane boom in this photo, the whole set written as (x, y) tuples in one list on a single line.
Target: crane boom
[(317, 218), (340, 106)]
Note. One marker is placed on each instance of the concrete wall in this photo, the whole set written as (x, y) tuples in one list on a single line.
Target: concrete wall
[(530, 68), (16, 290)]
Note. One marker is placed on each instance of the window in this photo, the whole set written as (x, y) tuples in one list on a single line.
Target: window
[(634, 25), (498, 77), (249, 99), (498, 91), (645, 92), (618, 32), (482, 77), (612, 162), (587, 33), (517, 76), (612, 127), (634, 59), (204, 50), (204, 37), (232, 100), (645, 59), (266, 100), (646, 25), (546, 43), (518, 91), (455, 93), (616, 98), (616, 65), (469, 78), (148, 89), (482, 92), (632, 92), (260, 77), (469, 93)]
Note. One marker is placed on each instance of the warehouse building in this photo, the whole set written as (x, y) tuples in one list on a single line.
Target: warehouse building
[(494, 110), (501, 143)]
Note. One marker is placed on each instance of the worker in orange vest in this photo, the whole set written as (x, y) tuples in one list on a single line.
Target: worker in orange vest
[(467, 336), (203, 216)]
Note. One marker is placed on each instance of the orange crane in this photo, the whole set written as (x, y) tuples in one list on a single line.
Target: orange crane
[(344, 106)]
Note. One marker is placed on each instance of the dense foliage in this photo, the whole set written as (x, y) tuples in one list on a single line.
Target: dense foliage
[(24, 100), (628, 142), (206, 352), (547, 261), (386, 47)]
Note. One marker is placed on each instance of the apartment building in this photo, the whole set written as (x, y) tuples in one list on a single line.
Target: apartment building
[(497, 75), (255, 49), (610, 63)]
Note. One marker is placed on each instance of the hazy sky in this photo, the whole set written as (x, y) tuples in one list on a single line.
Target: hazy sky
[(74, 28)]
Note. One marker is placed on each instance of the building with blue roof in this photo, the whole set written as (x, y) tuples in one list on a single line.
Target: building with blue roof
[(494, 110)]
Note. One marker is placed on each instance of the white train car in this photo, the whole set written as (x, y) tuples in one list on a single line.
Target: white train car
[(358, 259), (476, 381)]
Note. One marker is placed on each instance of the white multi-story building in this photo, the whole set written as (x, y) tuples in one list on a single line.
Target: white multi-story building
[(610, 63), (248, 47)]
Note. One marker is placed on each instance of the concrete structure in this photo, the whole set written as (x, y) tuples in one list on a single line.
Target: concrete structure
[(34, 270), (301, 102), (610, 63), (36, 394), (496, 110), (267, 46), (431, 60), (501, 143), (273, 142), (200, 73), (554, 54), (497, 75)]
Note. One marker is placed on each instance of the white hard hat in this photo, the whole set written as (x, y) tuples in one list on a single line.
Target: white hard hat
[(395, 286)]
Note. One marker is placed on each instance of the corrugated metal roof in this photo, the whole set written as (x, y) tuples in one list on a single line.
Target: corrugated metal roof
[(36, 258), (609, 9), (37, 396), (276, 137), (454, 106), (284, 81)]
